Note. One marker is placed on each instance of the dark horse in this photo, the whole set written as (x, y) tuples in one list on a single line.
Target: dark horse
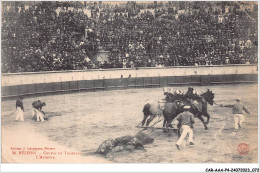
[(172, 109)]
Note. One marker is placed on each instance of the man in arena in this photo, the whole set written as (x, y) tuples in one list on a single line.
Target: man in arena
[(37, 110), (238, 109), (186, 120), (19, 109)]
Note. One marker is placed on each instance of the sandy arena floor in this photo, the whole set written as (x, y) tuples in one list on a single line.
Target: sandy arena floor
[(86, 119)]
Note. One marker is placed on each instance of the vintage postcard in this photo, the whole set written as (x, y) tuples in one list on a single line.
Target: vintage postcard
[(129, 82)]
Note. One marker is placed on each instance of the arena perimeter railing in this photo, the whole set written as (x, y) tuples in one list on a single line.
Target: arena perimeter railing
[(50, 82)]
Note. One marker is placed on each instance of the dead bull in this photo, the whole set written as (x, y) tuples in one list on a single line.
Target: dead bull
[(110, 146)]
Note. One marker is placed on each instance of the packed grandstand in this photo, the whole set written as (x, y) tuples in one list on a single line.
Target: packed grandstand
[(53, 36)]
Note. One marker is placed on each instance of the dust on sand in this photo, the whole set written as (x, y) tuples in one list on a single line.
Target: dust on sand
[(88, 119), (32, 147)]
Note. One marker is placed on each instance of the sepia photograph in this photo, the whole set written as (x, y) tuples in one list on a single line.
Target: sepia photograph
[(171, 82)]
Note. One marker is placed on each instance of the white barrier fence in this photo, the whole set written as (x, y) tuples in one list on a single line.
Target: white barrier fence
[(95, 74)]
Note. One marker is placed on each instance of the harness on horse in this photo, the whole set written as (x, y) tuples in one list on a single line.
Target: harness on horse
[(192, 100)]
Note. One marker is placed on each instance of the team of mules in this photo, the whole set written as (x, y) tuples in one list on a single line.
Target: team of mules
[(174, 105)]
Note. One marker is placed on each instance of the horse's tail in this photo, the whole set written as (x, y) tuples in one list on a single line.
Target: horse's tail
[(146, 109)]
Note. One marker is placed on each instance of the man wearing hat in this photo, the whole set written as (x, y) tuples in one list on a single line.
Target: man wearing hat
[(186, 120), (19, 109), (238, 109)]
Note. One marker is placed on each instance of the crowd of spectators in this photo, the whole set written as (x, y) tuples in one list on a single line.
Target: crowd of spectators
[(47, 36)]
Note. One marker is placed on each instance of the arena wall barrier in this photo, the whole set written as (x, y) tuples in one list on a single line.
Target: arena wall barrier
[(42, 83)]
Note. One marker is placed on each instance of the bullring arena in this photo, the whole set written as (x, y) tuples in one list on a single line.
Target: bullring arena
[(83, 120), (84, 74)]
